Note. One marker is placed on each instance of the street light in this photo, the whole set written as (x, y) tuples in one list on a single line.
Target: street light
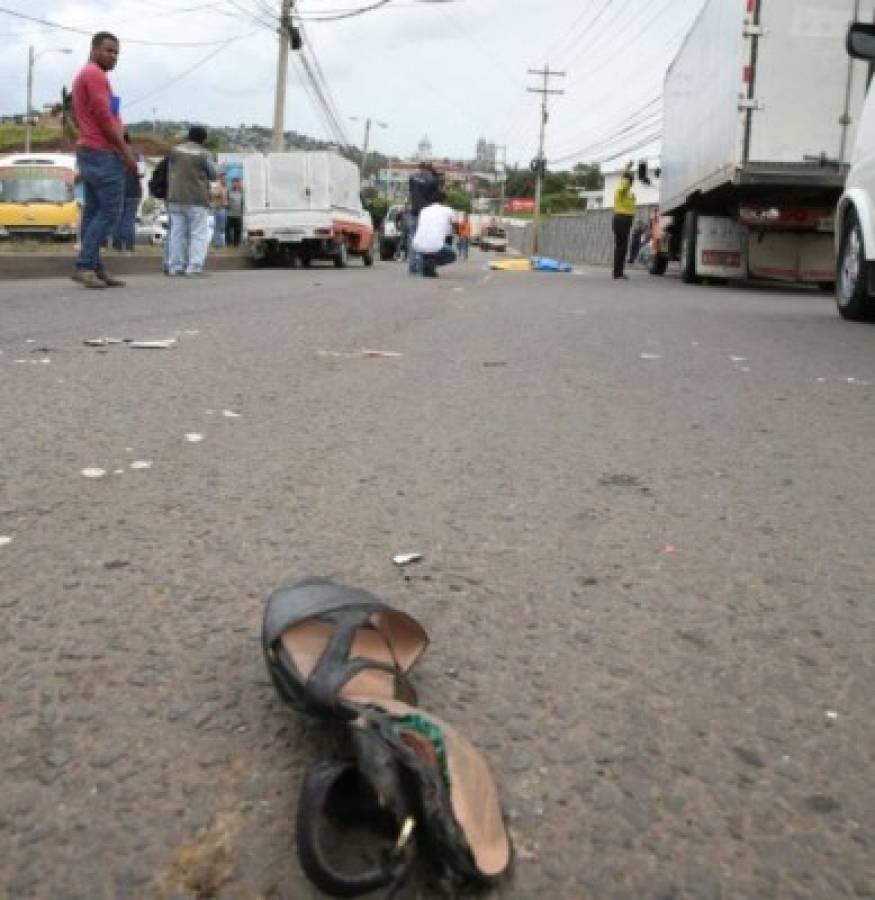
[(368, 123), (31, 59)]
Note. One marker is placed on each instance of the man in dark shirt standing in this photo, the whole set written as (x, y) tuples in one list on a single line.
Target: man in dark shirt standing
[(424, 186), (124, 236), (102, 158), (188, 202)]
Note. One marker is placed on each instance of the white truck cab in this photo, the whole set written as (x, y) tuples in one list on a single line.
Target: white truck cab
[(855, 218)]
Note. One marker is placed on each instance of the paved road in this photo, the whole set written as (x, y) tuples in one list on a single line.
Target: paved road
[(647, 518)]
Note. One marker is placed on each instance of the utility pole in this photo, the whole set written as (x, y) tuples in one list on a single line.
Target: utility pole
[(278, 141), (503, 148), (540, 164)]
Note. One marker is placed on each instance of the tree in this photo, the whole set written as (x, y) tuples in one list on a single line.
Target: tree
[(589, 176), (459, 199)]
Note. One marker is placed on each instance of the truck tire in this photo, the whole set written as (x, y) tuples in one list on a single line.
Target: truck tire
[(341, 256), (368, 257), (852, 295), (658, 264), (688, 248)]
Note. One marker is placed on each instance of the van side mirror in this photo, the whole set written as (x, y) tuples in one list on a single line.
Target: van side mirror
[(861, 41)]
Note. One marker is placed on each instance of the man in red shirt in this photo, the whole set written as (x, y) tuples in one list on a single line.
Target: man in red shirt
[(102, 156)]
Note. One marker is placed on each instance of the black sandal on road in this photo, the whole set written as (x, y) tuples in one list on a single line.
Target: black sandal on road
[(326, 644), (432, 783), (337, 652)]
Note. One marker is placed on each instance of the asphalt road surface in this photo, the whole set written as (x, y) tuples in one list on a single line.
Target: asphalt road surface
[(647, 519)]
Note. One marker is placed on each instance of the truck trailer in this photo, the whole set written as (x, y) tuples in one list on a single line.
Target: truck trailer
[(303, 205), (762, 105)]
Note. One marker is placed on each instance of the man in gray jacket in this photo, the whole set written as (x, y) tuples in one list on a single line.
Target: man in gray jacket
[(188, 202)]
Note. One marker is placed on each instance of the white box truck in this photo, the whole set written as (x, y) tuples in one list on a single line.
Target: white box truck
[(304, 205), (761, 108)]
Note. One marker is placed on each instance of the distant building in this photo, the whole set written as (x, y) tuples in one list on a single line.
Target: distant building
[(424, 151), (484, 158)]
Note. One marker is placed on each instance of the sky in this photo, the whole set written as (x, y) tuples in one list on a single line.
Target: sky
[(454, 70)]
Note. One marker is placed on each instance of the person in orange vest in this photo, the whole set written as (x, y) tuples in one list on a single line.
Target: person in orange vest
[(624, 216), (464, 229)]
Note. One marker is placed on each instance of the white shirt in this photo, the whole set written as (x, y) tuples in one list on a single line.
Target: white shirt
[(435, 224)]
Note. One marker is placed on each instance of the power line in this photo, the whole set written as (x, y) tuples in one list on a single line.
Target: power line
[(71, 29), (188, 71)]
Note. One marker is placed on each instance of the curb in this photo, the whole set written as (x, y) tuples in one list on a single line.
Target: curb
[(57, 266)]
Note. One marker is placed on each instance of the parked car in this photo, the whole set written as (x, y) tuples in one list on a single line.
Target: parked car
[(855, 217), (159, 227), (493, 238), (390, 233)]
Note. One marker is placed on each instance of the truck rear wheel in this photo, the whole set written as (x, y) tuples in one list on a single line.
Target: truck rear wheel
[(341, 256), (368, 256), (852, 295), (658, 264), (688, 248)]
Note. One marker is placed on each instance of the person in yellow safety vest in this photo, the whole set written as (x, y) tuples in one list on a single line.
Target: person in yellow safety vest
[(624, 216)]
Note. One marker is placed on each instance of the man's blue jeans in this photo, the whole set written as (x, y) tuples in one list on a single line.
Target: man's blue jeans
[(430, 261), (103, 174), (189, 238), (414, 259), (124, 235), (220, 227)]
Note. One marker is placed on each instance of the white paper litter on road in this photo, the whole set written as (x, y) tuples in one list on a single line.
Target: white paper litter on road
[(153, 345), (94, 473), (380, 354), (738, 359), (5, 540), (649, 356), (102, 341), (406, 559), (230, 414), (832, 715), (194, 438), (141, 464)]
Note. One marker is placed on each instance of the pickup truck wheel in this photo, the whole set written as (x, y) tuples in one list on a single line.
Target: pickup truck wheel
[(852, 296), (368, 257), (341, 256), (688, 248), (658, 264)]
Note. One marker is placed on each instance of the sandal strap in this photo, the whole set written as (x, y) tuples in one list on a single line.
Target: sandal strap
[(319, 782)]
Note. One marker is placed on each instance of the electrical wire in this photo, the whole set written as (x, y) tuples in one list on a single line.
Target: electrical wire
[(69, 28), (189, 70)]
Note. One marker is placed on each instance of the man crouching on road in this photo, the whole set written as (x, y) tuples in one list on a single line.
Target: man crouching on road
[(188, 201), (102, 157), (430, 241)]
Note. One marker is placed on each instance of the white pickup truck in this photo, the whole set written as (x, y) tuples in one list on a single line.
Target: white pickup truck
[(302, 205)]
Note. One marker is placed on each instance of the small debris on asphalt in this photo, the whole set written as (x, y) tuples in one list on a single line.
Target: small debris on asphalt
[(738, 359), (832, 715), (102, 342), (5, 540), (406, 559), (230, 414), (141, 464), (669, 548), (380, 354), (44, 350), (153, 345), (649, 356), (194, 438), (94, 472)]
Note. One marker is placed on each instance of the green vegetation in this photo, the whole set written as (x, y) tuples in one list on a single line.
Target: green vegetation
[(42, 137)]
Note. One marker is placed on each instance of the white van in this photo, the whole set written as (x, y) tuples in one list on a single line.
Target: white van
[(855, 217)]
